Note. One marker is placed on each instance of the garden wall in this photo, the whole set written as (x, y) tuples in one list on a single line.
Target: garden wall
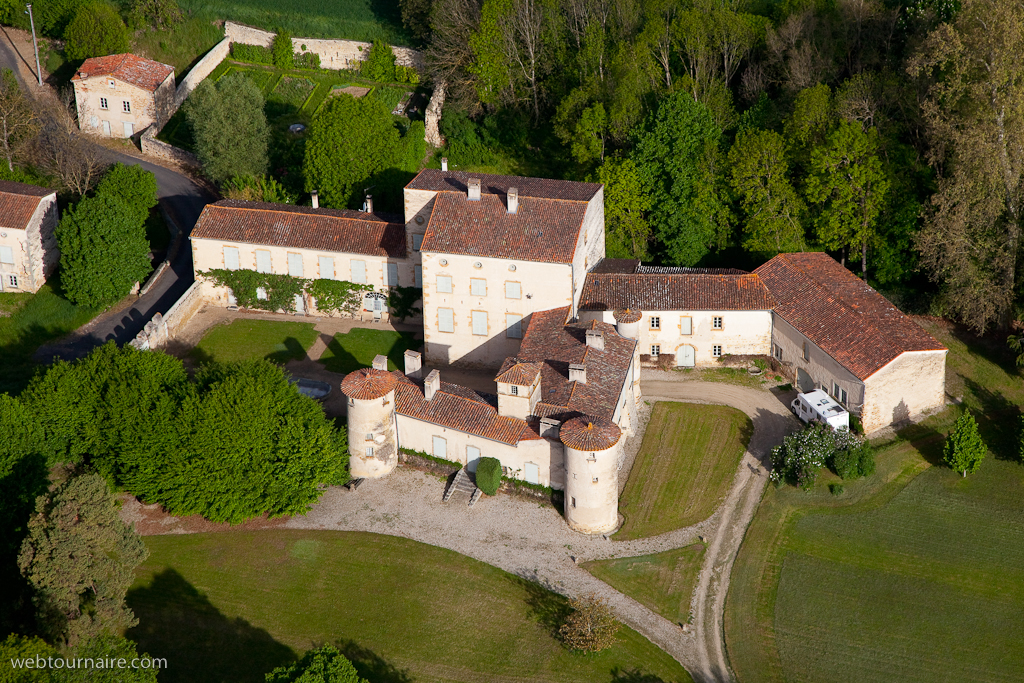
[(159, 331), (334, 54), (200, 71), (150, 145)]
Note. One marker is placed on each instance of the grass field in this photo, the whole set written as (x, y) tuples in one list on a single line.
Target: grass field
[(181, 46), (356, 349), (279, 341), (229, 607), (352, 19), (28, 321), (913, 574), (684, 468), (664, 582)]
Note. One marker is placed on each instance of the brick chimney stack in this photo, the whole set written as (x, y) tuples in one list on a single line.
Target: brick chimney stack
[(474, 189), (444, 164), (432, 384), (380, 362), (595, 339), (316, 199), (578, 373)]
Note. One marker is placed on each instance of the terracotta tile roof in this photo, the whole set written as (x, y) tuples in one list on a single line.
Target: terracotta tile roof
[(515, 371), (655, 292), (434, 180), (18, 202), (367, 384), (840, 313), (555, 345), (541, 230), (616, 265), (587, 433), (459, 408), (627, 315), (679, 270), (302, 227), (128, 68)]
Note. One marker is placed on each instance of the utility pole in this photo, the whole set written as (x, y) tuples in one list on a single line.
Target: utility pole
[(35, 45)]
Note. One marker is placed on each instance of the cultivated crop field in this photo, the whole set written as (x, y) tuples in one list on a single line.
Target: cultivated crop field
[(915, 573), (684, 468)]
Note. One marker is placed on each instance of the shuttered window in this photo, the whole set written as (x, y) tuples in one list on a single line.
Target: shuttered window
[(445, 320), (417, 240), (326, 267), (359, 272), (7, 254), (477, 286), (480, 323), (262, 261), (392, 275), (686, 325), (419, 276), (444, 284), (513, 326), (440, 447), (513, 290), (231, 258), (295, 265)]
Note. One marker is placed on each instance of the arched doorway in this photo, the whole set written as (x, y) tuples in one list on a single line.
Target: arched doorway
[(686, 356)]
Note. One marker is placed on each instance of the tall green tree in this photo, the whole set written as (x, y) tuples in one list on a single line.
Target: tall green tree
[(348, 141), (133, 185), (974, 110), (964, 450), (678, 157), (282, 51), (103, 250), (80, 558), (229, 126), (380, 64), (772, 208), (96, 30), (322, 665), (627, 232), (849, 184)]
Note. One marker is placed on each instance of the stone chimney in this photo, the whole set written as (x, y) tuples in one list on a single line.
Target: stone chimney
[(413, 364), (595, 339), (316, 199), (474, 189), (578, 372), (444, 164), (369, 203), (432, 384), (513, 199), (380, 362)]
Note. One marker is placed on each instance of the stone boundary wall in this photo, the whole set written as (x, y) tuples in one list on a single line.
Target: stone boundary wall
[(162, 328), (334, 54), (432, 117), (200, 71), (148, 144)]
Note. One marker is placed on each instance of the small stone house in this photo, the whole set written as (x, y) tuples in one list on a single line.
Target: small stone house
[(120, 95), (28, 247), (833, 332)]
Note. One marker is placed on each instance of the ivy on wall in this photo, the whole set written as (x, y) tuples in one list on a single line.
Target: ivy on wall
[(337, 296), (332, 296)]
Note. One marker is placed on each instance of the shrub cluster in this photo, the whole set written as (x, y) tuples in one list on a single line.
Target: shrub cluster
[(488, 475), (802, 455), (253, 54), (590, 627)]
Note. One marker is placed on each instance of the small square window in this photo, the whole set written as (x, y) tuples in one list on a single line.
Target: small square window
[(655, 350), (111, 83), (12, 280), (716, 351), (513, 290), (777, 352), (574, 501), (716, 322), (515, 390), (127, 107), (595, 480), (369, 437), (103, 103), (655, 322), (369, 451), (477, 286)]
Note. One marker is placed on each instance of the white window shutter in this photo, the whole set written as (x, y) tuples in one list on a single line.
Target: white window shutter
[(326, 268), (480, 323), (231, 258), (295, 265), (359, 272), (6, 254), (513, 326), (262, 261), (513, 290), (445, 320), (444, 284), (440, 447)]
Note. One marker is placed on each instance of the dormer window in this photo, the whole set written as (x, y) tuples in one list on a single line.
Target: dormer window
[(110, 82)]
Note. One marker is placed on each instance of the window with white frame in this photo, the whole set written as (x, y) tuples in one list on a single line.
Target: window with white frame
[(369, 451), (231, 258), (513, 326), (295, 265), (477, 286), (515, 390), (444, 284), (716, 322), (445, 320), (655, 350), (326, 264), (777, 351), (440, 447), (513, 290), (716, 351), (655, 322), (686, 325), (479, 319), (127, 107), (103, 103), (12, 281), (262, 261), (838, 393), (6, 254), (358, 271), (111, 83), (417, 242)]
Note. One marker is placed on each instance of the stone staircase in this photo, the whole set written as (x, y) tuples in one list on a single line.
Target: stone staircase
[(463, 483)]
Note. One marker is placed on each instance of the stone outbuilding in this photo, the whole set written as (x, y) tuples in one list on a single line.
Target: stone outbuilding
[(120, 95), (28, 247)]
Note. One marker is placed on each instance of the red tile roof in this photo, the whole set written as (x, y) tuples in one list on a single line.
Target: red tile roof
[(555, 345), (433, 180), (367, 384), (18, 202), (589, 434), (302, 227), (459, 408), (657, 292), (128, 68), (515, 371), (840, 313), (541, 230)]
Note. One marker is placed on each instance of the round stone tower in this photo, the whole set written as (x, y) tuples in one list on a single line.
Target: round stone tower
[(627, 323), (372, 435), (592, 482)]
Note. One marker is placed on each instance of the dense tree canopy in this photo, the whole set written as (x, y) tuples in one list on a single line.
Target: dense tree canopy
[(229, 126), (133, 185), (322, 665), (96, 30)]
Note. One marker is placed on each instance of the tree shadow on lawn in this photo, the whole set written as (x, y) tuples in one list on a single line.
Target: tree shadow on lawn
[(292, 351), (179, 623), (547, 608), (339, 359), (634, 676), (370, 665), (998, 421)]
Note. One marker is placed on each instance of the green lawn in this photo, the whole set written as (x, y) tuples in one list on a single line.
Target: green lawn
[(229, 607), (279, 341), (664, 582), (356, 349), (913, 574), (28, 321), (684, 468), (181, 46)]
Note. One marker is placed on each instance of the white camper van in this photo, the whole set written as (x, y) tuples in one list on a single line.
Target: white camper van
[(817, 406)]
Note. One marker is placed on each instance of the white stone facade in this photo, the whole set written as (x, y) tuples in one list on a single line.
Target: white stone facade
[(113, 108), (28, 252)]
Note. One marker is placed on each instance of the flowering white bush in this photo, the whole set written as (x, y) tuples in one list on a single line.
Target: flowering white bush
[(802, 455)]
